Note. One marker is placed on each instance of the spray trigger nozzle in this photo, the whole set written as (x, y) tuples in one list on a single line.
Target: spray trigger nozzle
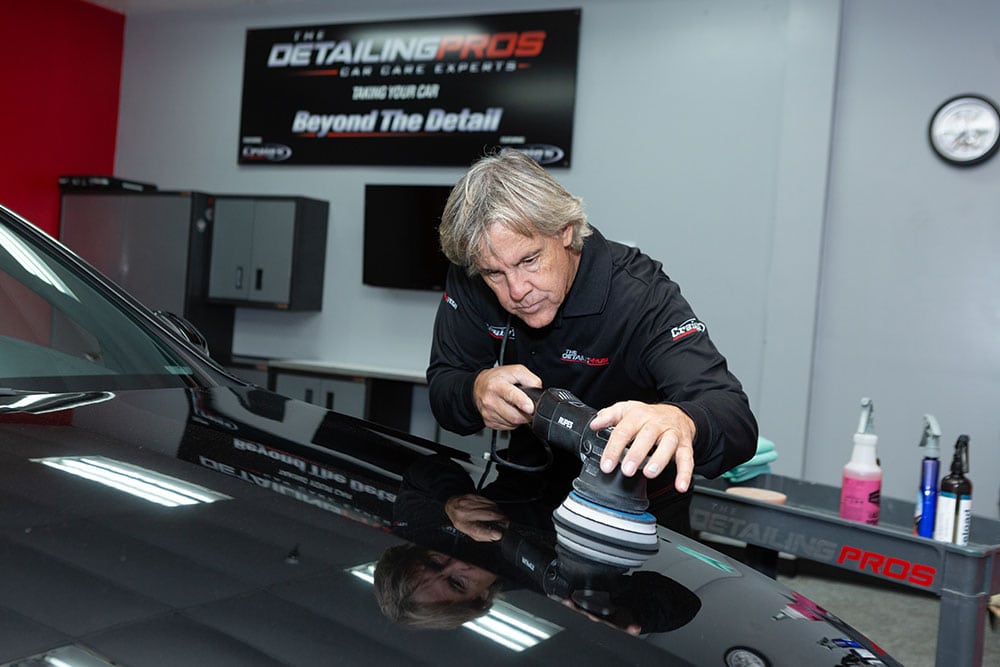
[(930, 439), (960, 461), (867, 422)]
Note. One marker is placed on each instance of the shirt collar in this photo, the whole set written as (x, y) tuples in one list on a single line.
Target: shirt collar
[(589, 293)]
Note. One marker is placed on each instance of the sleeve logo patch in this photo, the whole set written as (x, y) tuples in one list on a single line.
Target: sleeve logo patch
[(686, 329)]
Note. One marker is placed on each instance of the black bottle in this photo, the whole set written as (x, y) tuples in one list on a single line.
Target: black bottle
[(954, 510)]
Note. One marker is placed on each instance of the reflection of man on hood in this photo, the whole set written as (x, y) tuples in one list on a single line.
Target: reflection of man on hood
[(454, 568), (430, 590), (438, 509), (437, 492)]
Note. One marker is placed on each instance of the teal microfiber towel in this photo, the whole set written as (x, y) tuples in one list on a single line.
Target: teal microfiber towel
[(759, 464)]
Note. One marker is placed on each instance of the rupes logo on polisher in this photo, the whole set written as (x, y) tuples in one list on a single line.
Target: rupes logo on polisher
[(690, 327)]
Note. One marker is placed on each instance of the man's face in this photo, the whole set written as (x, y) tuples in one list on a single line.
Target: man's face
[(447, 579), (531, 275)]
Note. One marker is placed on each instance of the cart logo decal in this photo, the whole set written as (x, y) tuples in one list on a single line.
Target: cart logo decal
[(813, 547), (891, 567)]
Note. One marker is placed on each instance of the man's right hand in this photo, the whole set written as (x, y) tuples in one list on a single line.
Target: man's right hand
[(501, 403)]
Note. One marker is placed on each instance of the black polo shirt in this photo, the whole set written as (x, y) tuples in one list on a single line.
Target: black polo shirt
[(624, 332)]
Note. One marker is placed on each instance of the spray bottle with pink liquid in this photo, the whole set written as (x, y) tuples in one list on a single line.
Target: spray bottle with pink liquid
[(861, 486)]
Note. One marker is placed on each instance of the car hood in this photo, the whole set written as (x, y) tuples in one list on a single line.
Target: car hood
[(278, 570)]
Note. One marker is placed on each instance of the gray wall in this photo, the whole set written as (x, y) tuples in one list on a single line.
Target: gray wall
[(909, 304), (759, 148)]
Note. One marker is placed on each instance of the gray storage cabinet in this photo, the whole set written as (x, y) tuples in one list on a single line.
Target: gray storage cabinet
[(347, 396), (382, 396), (155, 246), (268, 252)]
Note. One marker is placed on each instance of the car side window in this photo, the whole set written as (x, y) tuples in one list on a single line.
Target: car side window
[(59, 332)]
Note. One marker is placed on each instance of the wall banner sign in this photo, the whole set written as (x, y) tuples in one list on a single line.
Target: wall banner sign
[(433, 92)]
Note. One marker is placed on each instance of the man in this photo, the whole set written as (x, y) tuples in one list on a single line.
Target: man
[(536, 297)]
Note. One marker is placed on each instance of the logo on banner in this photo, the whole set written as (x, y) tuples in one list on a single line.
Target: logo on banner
[(543, 153), (313, 48), (421, 91), (267, 152)]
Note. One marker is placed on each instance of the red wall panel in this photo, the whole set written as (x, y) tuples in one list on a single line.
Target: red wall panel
[(60, 68)]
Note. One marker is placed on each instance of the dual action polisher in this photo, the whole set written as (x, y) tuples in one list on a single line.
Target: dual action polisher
[(604, 517)]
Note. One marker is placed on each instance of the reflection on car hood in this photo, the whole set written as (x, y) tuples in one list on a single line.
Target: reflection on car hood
[(276, 567), (39, 402)]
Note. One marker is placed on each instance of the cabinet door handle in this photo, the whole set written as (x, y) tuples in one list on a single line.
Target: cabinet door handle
[(259, 279), (329, 400), (239, 277)]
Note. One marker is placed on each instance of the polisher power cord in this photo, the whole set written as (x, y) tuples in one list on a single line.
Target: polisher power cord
[(494, 455)]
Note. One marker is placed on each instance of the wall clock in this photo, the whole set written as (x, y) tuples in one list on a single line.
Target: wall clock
[(965, 130)]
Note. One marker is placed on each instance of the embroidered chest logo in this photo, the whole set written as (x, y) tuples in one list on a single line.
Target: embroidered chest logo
[(451, 302), (497, 331), (689, 328), (574, 357)]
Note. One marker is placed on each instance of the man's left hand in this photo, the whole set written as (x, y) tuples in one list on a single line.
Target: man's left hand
[(478, 517), (661, 432)]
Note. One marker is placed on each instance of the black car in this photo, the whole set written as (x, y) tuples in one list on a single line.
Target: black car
[(155, 510)]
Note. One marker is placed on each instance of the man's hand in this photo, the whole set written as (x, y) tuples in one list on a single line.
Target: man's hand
[(502, 405), (476, 516), (662, 432)]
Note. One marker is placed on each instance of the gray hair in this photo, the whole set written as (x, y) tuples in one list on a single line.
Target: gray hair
[(395, 574), (511, 189)]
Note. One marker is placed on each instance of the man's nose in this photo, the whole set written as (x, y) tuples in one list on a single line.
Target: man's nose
[(517, 286)]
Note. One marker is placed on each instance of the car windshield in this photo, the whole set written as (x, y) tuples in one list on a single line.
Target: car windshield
[(60, 332)]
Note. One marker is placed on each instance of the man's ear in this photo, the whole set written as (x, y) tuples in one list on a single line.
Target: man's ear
[(566, 233)]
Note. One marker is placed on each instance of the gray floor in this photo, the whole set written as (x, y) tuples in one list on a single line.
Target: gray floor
[(901, 620)]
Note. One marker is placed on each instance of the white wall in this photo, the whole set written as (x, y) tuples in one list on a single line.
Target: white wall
[(705, 134)]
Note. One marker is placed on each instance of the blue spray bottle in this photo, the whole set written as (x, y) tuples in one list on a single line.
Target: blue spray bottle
[(930, 471)]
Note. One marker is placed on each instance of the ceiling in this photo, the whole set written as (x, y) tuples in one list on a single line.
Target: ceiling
[(130, 7)]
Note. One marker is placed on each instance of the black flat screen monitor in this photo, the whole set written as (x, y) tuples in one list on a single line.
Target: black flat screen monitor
[(401, 238)]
